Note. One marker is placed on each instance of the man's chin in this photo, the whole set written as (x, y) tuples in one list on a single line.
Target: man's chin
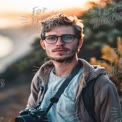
[(62, 60)]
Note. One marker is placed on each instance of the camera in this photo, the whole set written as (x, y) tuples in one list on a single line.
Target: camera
[(32, 115)]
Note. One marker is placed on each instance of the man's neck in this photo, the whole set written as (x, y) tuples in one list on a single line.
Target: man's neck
[(64, 69)]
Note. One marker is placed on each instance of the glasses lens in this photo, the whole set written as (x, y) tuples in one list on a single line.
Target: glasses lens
[(68, 38), (51, 39)]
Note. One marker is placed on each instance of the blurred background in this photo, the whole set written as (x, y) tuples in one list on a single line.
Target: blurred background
[(21, 55)]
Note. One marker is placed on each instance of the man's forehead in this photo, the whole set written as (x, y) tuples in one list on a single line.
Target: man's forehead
[(60, 30)]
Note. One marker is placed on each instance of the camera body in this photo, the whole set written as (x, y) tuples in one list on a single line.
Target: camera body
[(32, 115)]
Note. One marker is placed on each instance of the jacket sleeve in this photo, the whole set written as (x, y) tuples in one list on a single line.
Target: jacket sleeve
[(108, 108), (32, 100)]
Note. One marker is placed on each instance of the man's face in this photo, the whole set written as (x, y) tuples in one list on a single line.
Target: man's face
[(61, 51)]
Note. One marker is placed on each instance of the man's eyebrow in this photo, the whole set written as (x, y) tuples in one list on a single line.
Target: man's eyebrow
[(52, 35)]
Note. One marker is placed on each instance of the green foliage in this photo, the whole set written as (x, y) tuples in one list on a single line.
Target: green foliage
[(102, 25)]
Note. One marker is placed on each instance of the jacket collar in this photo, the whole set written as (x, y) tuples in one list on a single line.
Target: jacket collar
[(90, 71)]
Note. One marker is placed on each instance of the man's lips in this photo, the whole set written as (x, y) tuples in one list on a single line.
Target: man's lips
[(59, 49)]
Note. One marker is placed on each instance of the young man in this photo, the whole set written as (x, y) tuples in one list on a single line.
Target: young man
[(62, 38)]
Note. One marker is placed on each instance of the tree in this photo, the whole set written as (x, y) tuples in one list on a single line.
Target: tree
[(103, 25)]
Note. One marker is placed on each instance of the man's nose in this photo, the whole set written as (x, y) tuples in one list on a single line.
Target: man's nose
[(59, 41)]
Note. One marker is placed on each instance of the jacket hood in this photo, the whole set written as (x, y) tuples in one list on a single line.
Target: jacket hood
[(90, 71)]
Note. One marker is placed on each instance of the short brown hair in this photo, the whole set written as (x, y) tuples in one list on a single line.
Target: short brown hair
[(60, 20)]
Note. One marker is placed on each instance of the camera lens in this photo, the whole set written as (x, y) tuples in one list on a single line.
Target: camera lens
[(20, 119), (24, 118)]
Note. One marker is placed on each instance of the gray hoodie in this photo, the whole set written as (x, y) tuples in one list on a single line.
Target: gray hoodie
[(107, 104)]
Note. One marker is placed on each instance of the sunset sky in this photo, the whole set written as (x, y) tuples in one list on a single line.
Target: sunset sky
[(27, 6), (11, 11)]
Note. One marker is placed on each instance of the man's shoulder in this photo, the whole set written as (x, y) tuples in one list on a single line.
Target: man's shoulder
[(104, 82), (43, 72)]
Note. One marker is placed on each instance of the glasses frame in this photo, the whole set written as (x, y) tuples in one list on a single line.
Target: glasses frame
[(60, 37)]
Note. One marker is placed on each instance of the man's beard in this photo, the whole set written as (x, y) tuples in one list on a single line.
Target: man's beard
[(67, 59), (63, 60)]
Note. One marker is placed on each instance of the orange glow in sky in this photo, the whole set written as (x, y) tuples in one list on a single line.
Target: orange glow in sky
[(12, 11), (27, 6)]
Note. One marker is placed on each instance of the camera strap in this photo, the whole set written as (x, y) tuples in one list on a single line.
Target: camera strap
[(61, 89)]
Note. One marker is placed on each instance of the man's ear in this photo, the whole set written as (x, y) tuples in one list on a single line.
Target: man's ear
[(80, 43), (42, 44)]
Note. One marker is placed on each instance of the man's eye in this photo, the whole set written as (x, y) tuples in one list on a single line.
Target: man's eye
[(68, 37), (51, 38)]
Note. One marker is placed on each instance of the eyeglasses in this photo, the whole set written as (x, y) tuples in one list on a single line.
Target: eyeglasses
[(67, 38)]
